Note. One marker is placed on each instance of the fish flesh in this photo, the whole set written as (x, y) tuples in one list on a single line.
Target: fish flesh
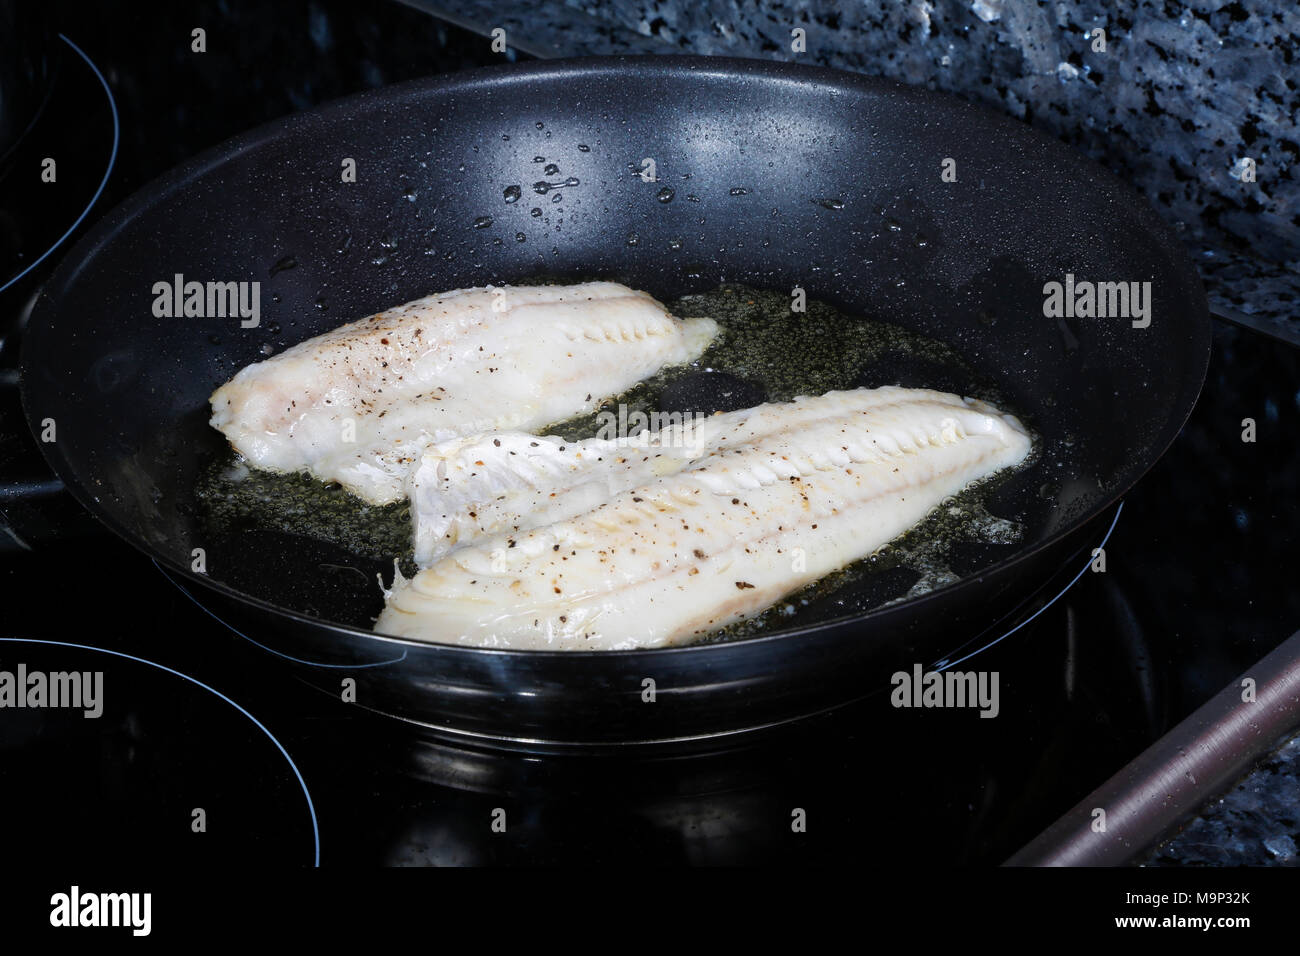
[(357, 404), (802, 489), (512, 481), (469, 488), (685, 554)]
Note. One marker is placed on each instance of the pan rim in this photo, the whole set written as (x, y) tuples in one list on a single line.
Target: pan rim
[(836, 82)]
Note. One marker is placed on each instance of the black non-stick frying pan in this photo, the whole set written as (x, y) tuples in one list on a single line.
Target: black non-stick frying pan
[(800, 177)]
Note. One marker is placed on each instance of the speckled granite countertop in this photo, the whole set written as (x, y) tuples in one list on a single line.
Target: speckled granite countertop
[(1176, 99), (1256, 823)]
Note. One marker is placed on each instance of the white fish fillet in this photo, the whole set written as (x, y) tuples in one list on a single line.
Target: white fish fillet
[(466, 489), (511, 481), (814, 485), (358, 404)]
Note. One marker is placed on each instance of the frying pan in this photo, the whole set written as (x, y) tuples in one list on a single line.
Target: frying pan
[(784, 176)]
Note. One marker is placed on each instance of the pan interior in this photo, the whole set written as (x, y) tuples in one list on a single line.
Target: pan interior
[(764, 175)]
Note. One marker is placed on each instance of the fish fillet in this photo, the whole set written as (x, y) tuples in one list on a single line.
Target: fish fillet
[(469, 488), (814, 485), (358, 404)]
